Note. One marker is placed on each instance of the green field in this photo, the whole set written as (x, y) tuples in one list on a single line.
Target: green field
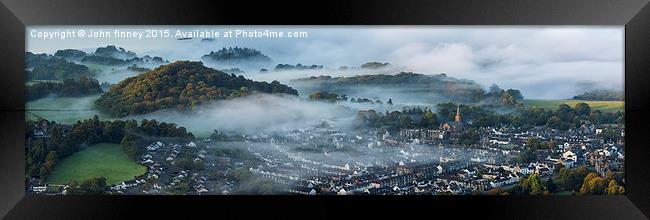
[(107, 160), (75, 108), (604, 106)]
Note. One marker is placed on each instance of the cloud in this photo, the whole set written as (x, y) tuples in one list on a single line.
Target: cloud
[(441, 58)]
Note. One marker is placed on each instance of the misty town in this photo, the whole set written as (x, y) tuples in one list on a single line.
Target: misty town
[(215, 119), (410, 161)]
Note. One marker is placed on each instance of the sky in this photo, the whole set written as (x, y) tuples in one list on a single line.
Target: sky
[(544, 62)]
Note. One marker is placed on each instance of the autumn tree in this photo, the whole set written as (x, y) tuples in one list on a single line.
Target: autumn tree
[(614, 189), (593, 184)]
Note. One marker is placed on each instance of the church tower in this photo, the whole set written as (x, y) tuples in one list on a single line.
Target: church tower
[(457, 114)]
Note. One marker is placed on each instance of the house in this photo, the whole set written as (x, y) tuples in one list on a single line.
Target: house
[(542, 169), (409, 134), (566, 146), (500, 141), (477, 159), (386, 135), (391, 142), (39, 189), (599, 130), (568, 159), (504, 180), (523, 170), (41, 128)]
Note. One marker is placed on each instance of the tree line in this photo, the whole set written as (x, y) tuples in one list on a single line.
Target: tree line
[(457, 90), (479, 116), (600, 95), (232, 55), (46, 67), (69, 88), (576, 181)]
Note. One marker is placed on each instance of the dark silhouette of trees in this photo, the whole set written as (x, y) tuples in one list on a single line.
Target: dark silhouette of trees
[(54, 68), (69, 88)]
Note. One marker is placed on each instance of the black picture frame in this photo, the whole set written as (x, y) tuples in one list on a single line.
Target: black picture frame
[(634, 15)]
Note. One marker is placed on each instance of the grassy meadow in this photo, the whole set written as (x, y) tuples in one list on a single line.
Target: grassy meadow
[(107, 160)]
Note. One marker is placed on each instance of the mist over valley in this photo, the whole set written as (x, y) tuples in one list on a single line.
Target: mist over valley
[(427, 111)]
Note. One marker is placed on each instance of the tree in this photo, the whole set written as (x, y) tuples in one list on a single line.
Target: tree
[(130, 146), (550, 144), (593, 184), (405, 121), (92, 186), (495, 89), (614, 189), (572, 178), (530, 186), (565, 112), (526, 155), (533, 143), (507, 99), (50, 161), (550, 185), (430, 119), (554, 122), (516, 94), (535, 185), (582, 109), (469, 137)]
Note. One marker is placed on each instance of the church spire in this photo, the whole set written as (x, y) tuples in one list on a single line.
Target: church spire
[(457, 114)]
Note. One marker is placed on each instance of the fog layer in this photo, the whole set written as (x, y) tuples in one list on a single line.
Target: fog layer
[(542, 62)]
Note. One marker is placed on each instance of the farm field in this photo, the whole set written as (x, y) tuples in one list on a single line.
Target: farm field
[(605, 106)]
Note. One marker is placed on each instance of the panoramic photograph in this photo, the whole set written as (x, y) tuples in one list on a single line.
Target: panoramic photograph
[(327, 110)]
